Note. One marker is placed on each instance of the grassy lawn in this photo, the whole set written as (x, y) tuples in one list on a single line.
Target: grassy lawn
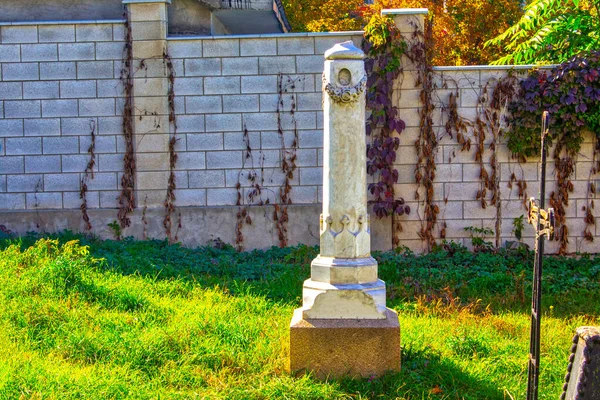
[(84, 318)]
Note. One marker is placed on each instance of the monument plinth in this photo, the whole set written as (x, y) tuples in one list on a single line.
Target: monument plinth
[(344, 327)]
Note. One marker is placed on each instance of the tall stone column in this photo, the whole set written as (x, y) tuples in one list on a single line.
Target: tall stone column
[(343, 326), (148, 19)]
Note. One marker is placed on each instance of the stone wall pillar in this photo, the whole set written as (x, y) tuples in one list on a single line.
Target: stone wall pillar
[(148, 19), (343, 326)]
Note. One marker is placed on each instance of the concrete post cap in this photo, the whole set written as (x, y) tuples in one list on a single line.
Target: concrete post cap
[(344, 51)]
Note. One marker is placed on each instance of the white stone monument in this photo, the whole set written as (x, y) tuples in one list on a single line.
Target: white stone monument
[(343, 327)]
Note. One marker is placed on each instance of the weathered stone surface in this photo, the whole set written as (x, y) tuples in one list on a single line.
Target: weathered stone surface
[(333, 348), (582, 381)]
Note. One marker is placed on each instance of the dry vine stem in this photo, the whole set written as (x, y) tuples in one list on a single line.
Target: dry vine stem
[(88, 174), (419, 52), (127, 196), (172, 185), (288, 161)]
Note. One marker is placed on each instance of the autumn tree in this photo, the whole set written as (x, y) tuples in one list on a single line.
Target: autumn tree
[(324, 15), (461, 27)]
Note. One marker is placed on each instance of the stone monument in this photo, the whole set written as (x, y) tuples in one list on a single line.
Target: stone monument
[(343, 327), (582, 381)]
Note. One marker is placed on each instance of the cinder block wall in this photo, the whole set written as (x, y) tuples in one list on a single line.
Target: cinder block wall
[(59, 82), (60, 79)]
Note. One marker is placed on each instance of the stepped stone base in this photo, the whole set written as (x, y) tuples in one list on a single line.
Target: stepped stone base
[(334, 348)]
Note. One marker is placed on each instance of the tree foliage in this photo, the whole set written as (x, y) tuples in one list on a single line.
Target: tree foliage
[(461, 27), (551, 31), (324, 15)]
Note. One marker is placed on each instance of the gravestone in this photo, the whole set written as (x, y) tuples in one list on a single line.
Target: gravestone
[(344, 327), (582, 381)]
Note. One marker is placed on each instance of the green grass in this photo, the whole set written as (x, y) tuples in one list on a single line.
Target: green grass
[(84, 318)]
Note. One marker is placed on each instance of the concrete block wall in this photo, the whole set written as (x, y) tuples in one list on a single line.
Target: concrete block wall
[(58, 81), (230, 85)]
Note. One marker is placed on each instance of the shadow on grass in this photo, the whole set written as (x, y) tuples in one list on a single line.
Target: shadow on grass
[(423, 369)]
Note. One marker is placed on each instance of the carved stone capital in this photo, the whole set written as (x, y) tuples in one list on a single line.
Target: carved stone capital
[(347, 242)]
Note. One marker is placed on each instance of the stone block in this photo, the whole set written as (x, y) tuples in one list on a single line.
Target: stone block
[(240, 66), (151, 143), (204, 141), (77, 126), (56, 33), (61, 182), (236, 141), (39, 52), (258, 47), (40, 90), (189, 86), (272, 140), (153, 181), (109, 125), (148, 12), (71, 200), (11, 127), (12, 165), (309, 64), (190, 123), (304, 195), (223, 122), (299, 120), (297, 45), (206, 179), (306, 157), (10, 53), (191, 160), (203, 104), (185, 48), (190, 197), (221, 197), (277, 65), (110, 162), (240, 103), (311, 176), (148, 48), (259, 84), (118, 32), (261, 121), (222, 85), (103, 181), (76, 163), (95, 70), (310, 138), (42, 164), (20, 72), (59, 108), (22, 109), (57, 70), (24, 183), (42, 127), (12, 201), (97, 107), (77, 89), (272, 102), (94, 33), (149, 30), (202, 67), (109, 199), (19, 34), (11, 91), (338, 348), (310, 101), (302, 83), (153, 161), (582, 380), (44, 201), (221, 48), (223, 159), (60, 145), (76, 51), (109, 51)]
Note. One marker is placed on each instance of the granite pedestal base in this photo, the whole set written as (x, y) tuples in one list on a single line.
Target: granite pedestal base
[(334, 348)]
